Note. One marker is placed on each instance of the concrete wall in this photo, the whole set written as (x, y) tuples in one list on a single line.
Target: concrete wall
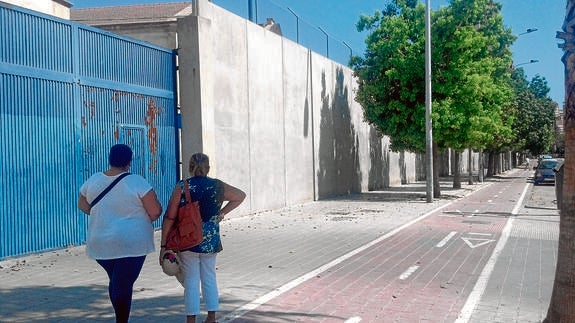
[(58, 8), (162, 34), (277, 120)]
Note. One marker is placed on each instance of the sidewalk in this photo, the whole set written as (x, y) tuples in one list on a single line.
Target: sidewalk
[(265, 251), (520, 287)]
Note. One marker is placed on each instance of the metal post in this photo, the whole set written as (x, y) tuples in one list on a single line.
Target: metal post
[(296, 24), (349, 47), (428, 124), (251, 10), (326, 41)]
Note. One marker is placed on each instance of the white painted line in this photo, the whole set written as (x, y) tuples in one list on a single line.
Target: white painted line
[(520, 202), (282, 289), (408, 272), (355, 319), (480, 234), (443, 242), (476, 242), (481, 283)]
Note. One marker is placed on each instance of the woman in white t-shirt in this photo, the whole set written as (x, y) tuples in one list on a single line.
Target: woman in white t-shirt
[(120, 231)]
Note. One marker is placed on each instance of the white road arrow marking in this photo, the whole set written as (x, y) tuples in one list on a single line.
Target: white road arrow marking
[(480, 234), (355, 319), (476, 242)]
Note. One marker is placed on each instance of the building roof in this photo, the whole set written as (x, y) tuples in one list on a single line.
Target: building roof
[(144, 13)]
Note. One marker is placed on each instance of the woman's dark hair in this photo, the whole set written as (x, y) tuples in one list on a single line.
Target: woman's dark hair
[(120, 156)]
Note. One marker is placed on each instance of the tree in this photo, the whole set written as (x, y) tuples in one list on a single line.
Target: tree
[(470, 68), (534, 127), (562, 305), (472, 52)]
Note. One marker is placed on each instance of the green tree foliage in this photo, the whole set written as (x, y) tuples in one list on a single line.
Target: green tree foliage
[(535, 128), (470, 70), (391, 77), (471, 97)]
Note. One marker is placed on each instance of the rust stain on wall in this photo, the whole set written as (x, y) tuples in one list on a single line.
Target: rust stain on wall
[(117, 133), (151, 114), (92, 110), (89, 112)]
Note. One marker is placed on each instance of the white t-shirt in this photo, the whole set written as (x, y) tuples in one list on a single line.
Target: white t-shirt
[(119, 225)]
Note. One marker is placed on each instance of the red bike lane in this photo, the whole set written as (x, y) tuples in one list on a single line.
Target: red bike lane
[(424, 272)]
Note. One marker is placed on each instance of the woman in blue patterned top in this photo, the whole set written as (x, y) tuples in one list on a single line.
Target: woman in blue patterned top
[(199, 263)]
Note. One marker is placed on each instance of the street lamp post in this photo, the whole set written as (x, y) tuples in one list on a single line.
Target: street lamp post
[(428, 124), (531, 61), (528, 31)]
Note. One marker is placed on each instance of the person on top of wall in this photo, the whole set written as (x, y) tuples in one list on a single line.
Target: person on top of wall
[(120, 231), (199, 263)]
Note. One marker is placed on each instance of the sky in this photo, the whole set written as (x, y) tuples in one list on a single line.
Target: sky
[(336, 20)]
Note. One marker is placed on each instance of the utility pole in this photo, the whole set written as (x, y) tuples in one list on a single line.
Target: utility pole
[(428, 124)]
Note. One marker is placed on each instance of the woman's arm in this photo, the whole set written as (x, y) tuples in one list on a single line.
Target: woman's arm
[(83, 204), (152, 205), (234, 196), (169, 217)]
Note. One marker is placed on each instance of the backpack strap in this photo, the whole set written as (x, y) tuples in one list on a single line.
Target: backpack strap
[(104, 192)]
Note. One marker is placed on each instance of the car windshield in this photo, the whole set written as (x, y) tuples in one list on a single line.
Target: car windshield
[(547, 164)]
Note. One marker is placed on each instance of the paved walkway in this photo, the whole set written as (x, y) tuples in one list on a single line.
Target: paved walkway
[(267, 255)]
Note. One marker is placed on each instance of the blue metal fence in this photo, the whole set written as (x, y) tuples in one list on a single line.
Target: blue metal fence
[(67, 93)]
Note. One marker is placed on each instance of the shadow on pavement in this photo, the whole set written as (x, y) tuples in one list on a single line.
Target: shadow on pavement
[(81, 304)]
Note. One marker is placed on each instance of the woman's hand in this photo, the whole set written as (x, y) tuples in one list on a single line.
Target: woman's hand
[(162, 252), (83, 204)]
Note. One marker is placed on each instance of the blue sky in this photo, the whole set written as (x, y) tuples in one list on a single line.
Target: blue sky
[(337, 18)]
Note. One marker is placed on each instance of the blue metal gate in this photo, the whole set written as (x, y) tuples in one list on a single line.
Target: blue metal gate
[(67, 93)]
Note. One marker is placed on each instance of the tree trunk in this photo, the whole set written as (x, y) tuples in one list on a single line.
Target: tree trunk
[(481, 168), (490, 164), (470, 166), (457, 169), (436, 183), (562, 305)]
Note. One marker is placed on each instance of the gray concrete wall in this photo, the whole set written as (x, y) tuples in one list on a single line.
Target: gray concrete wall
[(57, 8), (277, 120), (162, 34)]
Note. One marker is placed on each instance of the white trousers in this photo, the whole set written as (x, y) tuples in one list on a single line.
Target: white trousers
[(199, 269)]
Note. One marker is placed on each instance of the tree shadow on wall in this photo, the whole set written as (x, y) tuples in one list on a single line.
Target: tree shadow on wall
[(379, 156), (420, 167), (339, 170)]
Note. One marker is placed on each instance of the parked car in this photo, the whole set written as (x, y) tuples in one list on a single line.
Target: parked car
[(544, 171), (541, 157)]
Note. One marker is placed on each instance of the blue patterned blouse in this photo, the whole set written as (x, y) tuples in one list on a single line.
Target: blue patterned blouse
[(210, 194)]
